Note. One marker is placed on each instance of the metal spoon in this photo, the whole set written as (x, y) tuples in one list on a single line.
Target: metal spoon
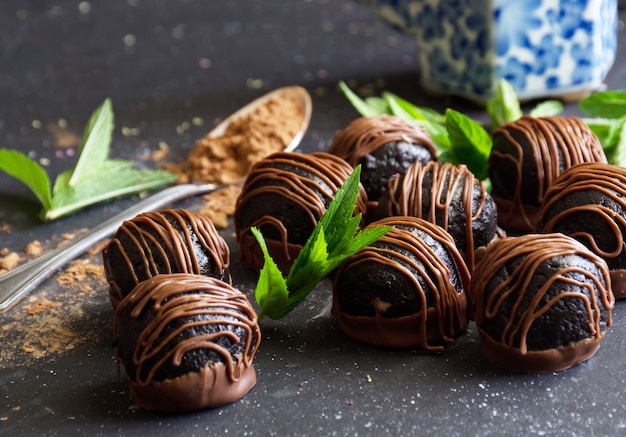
[(18, 282)]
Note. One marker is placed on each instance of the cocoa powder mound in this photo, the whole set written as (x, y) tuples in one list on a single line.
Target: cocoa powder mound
[(247, 140)]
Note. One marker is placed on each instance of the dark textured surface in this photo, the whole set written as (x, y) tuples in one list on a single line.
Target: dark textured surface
[(389, 159), (171, 69)]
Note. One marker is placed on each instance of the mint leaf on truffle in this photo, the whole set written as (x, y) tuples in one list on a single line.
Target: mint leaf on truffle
[(271, 289), (604, 104), (472, 143), (547, 108), (335, 238), (504, 107), (94, 177)]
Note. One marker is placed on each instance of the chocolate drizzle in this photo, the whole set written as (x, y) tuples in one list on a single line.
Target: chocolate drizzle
[(167, 241), (384, 145), (186, 330), (537, 298), (527, 156), (284, 196), (449, 196), (588, 202), (406, 290)]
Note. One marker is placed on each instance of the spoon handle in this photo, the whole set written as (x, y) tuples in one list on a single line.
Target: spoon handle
[(21, 280)]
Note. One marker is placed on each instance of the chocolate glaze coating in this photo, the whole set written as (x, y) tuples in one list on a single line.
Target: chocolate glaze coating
[(187, 342), (384, 145), (167, 241), (527, 156), (405, 290), (284, 196), (542, 302), (588, 202), (447, 195)]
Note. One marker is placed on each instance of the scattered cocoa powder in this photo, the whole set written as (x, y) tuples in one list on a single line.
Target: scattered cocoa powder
[(161, 153), (75, 275), (42, 325), (247, 140), (63, 137), (41, 305), (34, 248), (9, 261), (220, 204), (59, 315)]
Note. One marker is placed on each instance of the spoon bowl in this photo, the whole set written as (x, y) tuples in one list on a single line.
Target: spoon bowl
[(18, 282), (297, 93)]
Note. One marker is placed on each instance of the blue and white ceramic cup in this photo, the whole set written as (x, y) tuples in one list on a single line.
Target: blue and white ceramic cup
[(544, 48)]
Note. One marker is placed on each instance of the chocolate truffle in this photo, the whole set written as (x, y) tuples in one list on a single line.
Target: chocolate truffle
[(384, 145), (167, 241), (406, 290), (447, 195), (588, 202), (284, 196), (527, 156), (186, 342), (542, 302)]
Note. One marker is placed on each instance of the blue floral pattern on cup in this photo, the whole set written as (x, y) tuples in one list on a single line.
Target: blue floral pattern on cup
[(543, 47)]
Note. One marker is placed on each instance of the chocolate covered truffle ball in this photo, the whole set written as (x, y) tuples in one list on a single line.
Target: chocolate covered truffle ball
[(186, 342), (542, 302), (384, 145), (527, 156), (406, 290), (167, 241), (588, 202), (449, 196), (284, 196)]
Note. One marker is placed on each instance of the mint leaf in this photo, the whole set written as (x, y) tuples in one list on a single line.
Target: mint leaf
[(115, 178), (334, 238), (547, 109), (602, 128), (471, 142), (616, 149), (360, 105), (461, 140), (95, 147), (94, 177), (24, 169), (399, 105), (433, 122), (271, 290), (606, 104), (504, 107)]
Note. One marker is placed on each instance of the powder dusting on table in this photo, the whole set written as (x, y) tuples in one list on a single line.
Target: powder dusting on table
[(9, 261), (247, 140), (61, 314), (220, 204)]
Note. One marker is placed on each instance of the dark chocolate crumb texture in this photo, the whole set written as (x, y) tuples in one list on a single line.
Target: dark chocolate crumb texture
[(186, 342), (541, 302), (383, 145), (588, 202), (167, 241), (527, 156)]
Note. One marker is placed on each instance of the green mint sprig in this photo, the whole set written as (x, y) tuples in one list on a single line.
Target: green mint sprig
[(460, 139), (94, 178), (335, 237), (607, 117)]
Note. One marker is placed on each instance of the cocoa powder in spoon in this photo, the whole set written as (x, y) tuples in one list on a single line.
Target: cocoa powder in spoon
[(228, 158)]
